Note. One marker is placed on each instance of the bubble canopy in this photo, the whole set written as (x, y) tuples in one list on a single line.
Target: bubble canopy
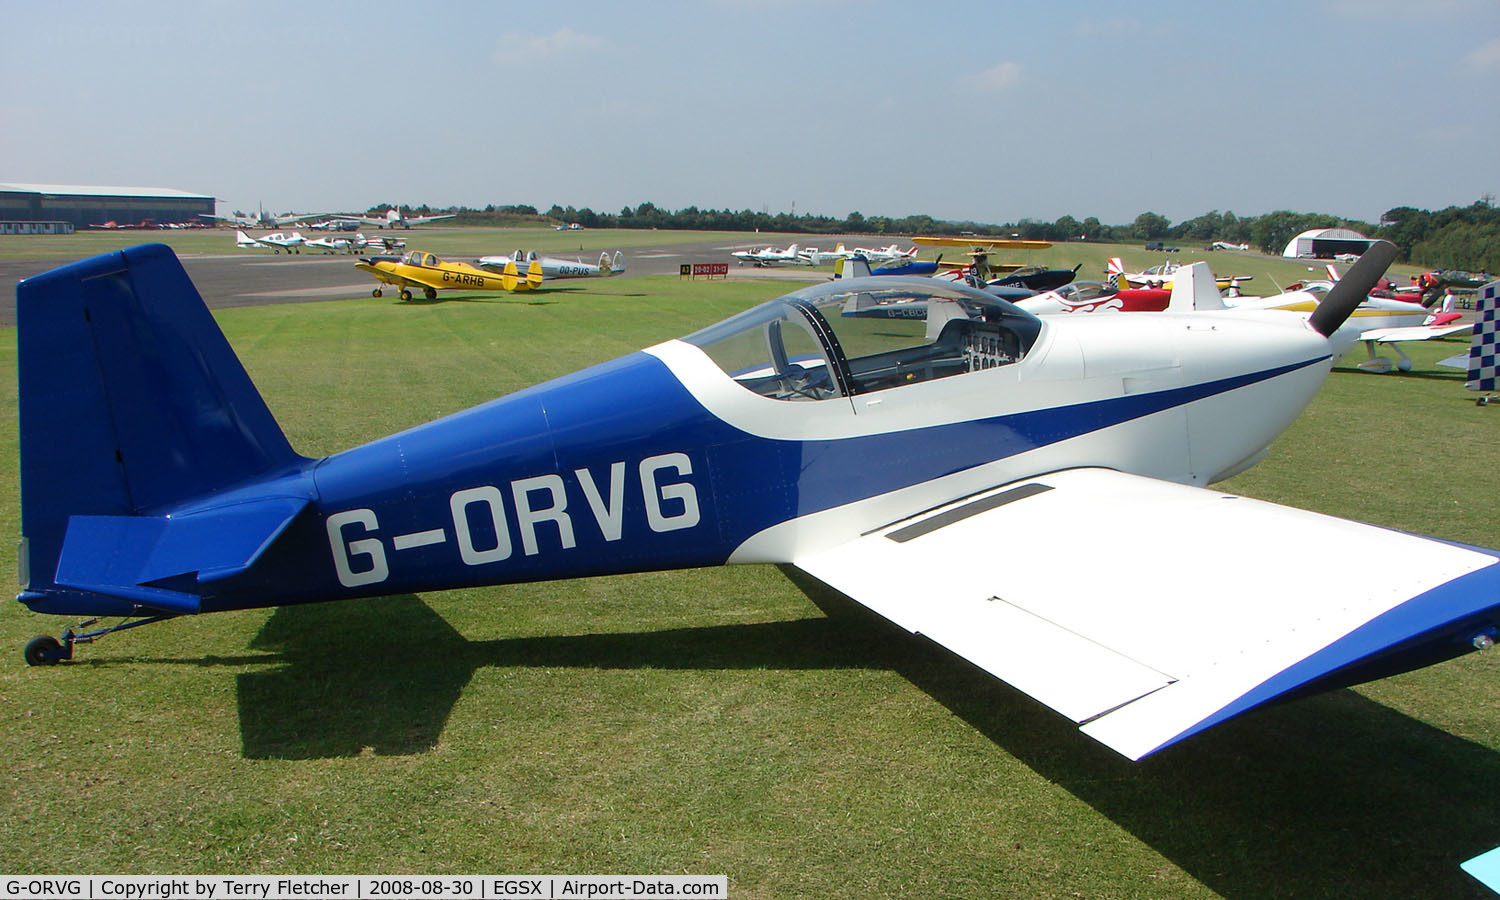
[(855, 336)]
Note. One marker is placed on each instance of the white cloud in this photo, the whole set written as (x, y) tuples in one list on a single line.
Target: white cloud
[(993, 80), (1486, 56), (524, 49)]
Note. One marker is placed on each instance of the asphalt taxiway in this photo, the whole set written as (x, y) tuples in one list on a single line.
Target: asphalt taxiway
[(256, 278)]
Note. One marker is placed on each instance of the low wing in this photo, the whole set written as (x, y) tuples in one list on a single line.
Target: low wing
[(1413, 332), (1148, 611), (387, 277)]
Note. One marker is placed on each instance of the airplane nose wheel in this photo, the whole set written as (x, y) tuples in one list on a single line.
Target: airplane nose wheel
[(375, 293)]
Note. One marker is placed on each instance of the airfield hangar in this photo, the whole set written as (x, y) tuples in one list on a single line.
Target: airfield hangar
[(80, 206), (1326, 243)]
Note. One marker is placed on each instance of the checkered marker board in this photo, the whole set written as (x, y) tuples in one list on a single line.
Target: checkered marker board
[(1483, 351)]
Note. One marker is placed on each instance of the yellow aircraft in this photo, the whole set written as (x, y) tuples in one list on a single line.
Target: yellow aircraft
[(979, 250), (420, 269)]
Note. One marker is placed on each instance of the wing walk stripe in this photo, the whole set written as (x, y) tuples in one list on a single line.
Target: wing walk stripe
[(959, 513)]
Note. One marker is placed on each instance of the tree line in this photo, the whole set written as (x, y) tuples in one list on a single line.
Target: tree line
[(1454, 238)]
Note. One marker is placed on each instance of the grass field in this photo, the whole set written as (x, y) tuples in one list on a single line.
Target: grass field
[(458, 242), (715, 721), (1270, 273)]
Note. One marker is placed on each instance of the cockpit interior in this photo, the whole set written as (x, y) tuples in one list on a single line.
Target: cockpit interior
[(857, 336)]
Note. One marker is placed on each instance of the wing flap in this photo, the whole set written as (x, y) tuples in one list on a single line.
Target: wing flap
[(1151, 610)]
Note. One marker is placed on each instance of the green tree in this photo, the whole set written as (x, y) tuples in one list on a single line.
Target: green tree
[(1150, 225)]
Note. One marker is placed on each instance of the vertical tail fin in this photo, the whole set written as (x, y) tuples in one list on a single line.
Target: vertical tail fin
[(1194, 288), (130, 397), (1482, 347), (1115, 272)]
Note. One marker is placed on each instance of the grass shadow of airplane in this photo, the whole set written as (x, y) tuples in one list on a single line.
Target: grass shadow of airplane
[(1283, 802)]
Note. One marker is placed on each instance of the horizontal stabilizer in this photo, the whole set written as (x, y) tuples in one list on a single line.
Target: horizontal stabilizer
[(129, 556), (1177, 608)]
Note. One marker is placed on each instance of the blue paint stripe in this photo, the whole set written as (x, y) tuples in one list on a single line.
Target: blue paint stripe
[(832, 473), (1451, 611)]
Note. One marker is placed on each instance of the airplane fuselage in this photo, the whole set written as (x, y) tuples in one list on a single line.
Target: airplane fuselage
[(660, 460)]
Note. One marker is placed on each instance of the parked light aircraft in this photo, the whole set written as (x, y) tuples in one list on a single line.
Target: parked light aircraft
[(263, 220), (979, 268), (1093, 296), (770, 256), (279, 241), (1163, 276), (935, 472), (891, 254), (393, 219), (352, 244), (1382, 318), (1225, 245), (554, 268), (419, 269), (816, 257)]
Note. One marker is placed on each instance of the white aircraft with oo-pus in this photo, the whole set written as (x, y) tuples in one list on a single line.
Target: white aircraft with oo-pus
[(938, 470), (555, 268)]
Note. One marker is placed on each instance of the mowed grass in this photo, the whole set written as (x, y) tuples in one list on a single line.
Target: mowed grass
[(715, 721), (1269, 274), (456, 241)]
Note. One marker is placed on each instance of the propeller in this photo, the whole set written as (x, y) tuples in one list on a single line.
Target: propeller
[(1351, 290)]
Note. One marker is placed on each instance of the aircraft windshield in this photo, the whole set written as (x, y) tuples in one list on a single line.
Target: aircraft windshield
[(854, 336)]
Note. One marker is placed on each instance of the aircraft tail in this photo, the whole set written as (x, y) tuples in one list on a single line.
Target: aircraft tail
[(851, 267), (131, 400), (613, 266), (1194, 289), (511, 278), (1483, 353), (1115, 272)]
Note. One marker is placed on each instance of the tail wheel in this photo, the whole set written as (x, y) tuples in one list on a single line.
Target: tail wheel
[(43, 650)]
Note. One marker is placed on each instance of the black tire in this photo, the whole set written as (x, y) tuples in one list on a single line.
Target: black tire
[(430, 294), (43, 650), (375, 293), (406, 295)]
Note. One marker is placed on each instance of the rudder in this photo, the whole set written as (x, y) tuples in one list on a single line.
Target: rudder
[(131, 399)]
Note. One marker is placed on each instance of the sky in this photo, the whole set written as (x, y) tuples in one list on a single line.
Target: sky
[(980, 111)]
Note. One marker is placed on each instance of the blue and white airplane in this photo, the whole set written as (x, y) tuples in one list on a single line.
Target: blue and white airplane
[(936, 470)]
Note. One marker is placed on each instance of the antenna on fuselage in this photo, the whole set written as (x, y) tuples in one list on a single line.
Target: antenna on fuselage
[(1351, 290)]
